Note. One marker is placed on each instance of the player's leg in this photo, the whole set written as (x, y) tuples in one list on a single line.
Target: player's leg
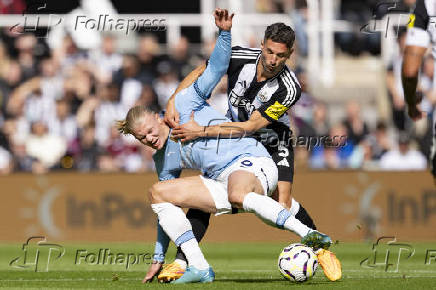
[(199, 221), (194, 192), (187, 192), (218, 191), (284, 159), (245, 191), (165, 197), (283, 156), (284, 193), (249, 180)]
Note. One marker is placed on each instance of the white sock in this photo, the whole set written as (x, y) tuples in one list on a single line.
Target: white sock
[(296, 226), (295, 207), (182, 263), (271, 212), (174, 222), (194, 255)]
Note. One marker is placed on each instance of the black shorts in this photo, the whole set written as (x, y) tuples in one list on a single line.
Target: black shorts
[(283, 156)]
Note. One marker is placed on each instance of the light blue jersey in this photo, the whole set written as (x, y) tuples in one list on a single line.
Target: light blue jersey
[(211, 156)]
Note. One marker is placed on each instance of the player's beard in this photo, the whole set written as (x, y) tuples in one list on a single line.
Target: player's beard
[(268, 70)]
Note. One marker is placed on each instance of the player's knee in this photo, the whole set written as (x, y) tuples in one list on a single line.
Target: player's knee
[(410, 71), (236, 198), (155, 193)]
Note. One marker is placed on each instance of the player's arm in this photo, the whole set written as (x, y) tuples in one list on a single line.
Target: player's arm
[(160, 250), (171, 115), (192, 130), (268, 113), (220, 57), (204, 77), (195, 97), (238, 129)]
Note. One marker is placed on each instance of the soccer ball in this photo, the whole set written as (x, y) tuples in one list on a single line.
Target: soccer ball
[(297, 263)]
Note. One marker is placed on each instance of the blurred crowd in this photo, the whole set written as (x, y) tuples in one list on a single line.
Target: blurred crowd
[(384, 147), (58, 106)]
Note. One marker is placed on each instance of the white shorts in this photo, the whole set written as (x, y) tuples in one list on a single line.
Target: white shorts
[(263, 168)]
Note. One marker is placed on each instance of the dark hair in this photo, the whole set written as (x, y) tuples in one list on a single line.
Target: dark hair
[(381, 125), (280, 32)]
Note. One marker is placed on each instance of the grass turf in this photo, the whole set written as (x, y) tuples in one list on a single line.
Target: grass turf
[(249, 266)]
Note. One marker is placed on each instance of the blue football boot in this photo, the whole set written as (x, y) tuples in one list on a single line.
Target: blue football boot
[(193, 275)]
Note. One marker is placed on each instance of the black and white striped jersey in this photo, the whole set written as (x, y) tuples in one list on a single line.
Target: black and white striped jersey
[(422, 32), (272, 97), (422, 25)]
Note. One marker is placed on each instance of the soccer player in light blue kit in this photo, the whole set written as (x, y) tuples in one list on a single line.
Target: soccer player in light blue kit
[(235, 172)]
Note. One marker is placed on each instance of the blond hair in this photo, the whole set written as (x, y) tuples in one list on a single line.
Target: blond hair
[(133, 115)]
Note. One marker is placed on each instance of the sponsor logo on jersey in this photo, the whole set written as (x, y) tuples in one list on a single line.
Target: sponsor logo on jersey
[(411, 22), (276, 110), (243, 84), (240, 102)]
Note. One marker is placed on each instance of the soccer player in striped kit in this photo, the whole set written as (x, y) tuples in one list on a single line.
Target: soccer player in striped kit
[(420, 34)]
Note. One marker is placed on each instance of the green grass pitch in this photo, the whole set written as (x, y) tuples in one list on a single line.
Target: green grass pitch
[(248, 266)]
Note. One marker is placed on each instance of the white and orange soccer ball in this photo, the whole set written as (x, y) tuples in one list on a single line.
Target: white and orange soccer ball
[(297, 263)]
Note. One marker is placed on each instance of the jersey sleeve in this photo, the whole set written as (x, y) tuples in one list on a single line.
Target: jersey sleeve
[(161, 246), (286, 96), (417, 34), (194, 97), (216, 67), (163, 170), (239, 57)]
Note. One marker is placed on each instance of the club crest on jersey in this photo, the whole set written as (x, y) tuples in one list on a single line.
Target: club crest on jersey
[(263, 96)]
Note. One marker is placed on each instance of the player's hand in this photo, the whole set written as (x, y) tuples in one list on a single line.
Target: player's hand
[(222, 19), (152, 272), (188, 131), (171, 117), (415, 113)]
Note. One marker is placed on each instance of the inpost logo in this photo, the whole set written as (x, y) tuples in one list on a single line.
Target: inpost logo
[(51, 209)]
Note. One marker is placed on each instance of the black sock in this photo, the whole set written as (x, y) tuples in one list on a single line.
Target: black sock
[(199, 221), (304, 217)]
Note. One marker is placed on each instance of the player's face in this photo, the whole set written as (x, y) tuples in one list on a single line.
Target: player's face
[(274, 56), (147, 131)]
